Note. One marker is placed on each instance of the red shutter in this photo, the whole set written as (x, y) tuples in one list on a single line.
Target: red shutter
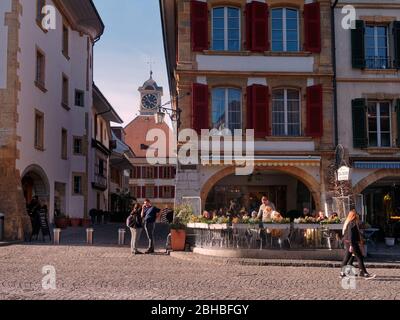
[(199, 25), (258, 105), (200, 107), (161, 190), (250, 108), (259, 26), (312, 27), (143, 192), (173, 172), (173, 192), (155, 172), (247, 14), (139, 172), (315, 122), (155, 192)]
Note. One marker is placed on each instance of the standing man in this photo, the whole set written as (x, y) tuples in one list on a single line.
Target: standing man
[(149, 216), (265, 203)]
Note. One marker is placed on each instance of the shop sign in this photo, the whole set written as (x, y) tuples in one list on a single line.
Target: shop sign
[(343, 174)]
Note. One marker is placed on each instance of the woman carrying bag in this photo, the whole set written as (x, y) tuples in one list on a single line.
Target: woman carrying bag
[(134, 223), (353, 245)]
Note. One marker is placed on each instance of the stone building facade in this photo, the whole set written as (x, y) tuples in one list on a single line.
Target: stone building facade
[(46, 81), (262, 65)]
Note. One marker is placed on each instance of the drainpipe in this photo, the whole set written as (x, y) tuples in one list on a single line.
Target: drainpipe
[(335, 99)]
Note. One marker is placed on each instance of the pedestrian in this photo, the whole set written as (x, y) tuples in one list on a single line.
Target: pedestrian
[(134, 223), (149, 216), (167, 217), (34, 213), (354, 245), (265, 203)]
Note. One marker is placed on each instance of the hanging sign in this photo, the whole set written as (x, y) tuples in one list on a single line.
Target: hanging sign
[(343, 174)]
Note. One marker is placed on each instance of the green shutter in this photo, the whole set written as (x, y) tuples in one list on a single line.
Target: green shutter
[(396, 41), (358, 45), (359, 108), (398, 122)]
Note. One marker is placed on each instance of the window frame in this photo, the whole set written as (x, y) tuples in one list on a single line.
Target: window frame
[(376, 46), (226, 106), (39, 131), (74, 190), (81, 153), (40, 72), (226, 28), (378, 124), (284, 29), (78, 91), (65, 91), (285, 103), (65, 41), (64, 144)]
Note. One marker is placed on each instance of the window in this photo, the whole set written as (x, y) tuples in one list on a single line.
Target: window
[(286, 112), (39, 130), (376, 47), (65, 91), (101, 170), (226, 109), (78, 150), (149, 192), (149, 172), (40, 69), (226, 29), (77, 185), (285, 30), (65, 41), (379, 127), (64, 144), (79, 98), (39, 6), (167, 192)]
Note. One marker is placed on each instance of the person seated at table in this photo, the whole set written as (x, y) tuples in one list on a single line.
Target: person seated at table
[(321, 216), (214, 214), (334, 215), (276, 216), (254, 215), (306, 212), (206, 215)]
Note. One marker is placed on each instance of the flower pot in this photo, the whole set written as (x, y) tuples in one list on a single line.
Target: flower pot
[(86, 222), (178, 240), (61, 223), (76, 222), (390, 241)]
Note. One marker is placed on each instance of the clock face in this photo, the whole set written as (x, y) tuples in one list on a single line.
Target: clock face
[(149, 101)]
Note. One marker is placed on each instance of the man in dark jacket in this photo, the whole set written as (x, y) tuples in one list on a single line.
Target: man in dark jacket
[(149, 216)]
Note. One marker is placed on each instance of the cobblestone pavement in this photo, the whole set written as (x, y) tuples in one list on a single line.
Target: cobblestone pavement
[(112, 273)]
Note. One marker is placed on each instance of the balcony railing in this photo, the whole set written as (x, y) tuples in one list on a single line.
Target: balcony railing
[(379, 62), (99, 182)]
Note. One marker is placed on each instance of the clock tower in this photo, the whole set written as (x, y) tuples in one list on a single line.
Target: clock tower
[(150, 97)]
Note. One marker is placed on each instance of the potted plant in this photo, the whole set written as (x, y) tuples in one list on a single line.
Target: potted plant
[(75, 222), (390, 236), (182, 217), (61, 221)]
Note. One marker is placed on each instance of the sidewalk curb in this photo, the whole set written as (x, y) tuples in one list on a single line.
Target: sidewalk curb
[(10, 243), (188, 256)]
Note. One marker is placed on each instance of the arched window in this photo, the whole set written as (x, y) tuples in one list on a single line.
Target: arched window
[(226, 29), (226, 108), (285, 29), (286, 115)]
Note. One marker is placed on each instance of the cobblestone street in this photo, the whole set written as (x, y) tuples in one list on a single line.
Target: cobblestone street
[(112, 273)]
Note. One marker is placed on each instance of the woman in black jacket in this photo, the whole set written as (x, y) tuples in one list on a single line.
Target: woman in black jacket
[(353, 242), (134, 223)]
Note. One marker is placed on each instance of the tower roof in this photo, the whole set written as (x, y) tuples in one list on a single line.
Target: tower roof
[(150, 84)]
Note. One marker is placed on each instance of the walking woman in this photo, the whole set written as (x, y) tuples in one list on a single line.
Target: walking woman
[(134, 223), (353, 244)]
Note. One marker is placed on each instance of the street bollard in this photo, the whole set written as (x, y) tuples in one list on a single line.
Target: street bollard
[(57, 234), (89, 236), (1, 226), (121, 237)]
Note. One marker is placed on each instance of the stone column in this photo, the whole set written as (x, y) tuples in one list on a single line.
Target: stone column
[(12, 204)]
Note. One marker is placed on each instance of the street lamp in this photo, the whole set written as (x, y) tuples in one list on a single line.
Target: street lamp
[(174, 114)]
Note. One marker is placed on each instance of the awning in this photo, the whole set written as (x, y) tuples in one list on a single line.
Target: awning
[(376, 165), (266, 161)]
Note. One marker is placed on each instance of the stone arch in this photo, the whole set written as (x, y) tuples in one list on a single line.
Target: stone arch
[(36, 178), (298, 173), (374, 177)]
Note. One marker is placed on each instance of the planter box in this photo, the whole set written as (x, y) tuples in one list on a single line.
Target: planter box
[(306, 226), (276, 226), (244, 226), (178, 240), (333, 226), (76, 222), (197, 226), (219, 226), (61, 223)]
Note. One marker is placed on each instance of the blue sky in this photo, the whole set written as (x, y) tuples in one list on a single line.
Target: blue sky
[(132, 38)]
